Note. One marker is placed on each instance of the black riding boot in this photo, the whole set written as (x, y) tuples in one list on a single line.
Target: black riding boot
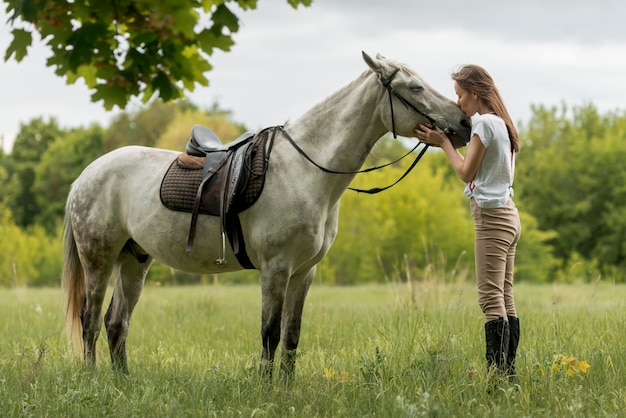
[(512, 351), (497, 344)]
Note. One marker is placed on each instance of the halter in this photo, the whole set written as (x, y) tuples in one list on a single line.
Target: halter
[(387, 84)]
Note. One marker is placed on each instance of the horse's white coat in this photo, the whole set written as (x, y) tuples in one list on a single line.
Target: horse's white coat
[(287, 231)]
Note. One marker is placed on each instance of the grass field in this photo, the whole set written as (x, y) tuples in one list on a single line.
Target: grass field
[(378, 351)]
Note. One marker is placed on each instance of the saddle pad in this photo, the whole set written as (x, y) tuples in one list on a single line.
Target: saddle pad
[(179, 187), (257, 167)]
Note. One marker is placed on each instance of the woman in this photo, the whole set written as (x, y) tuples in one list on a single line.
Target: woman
[(488, 170)]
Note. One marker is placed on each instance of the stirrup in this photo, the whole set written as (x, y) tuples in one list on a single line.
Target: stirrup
[(222, 260)]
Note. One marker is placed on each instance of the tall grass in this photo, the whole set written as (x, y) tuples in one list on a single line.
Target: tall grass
[(377, 351)]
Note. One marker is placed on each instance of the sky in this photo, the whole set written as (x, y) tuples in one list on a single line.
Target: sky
[(539, 52)]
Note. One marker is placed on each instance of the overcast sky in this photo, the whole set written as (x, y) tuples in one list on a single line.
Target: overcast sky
[(538, 51)]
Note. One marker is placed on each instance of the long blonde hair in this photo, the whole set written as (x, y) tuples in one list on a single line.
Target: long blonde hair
[(475, 79)]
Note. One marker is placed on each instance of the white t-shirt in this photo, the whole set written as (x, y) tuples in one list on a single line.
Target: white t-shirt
[(493, 183)]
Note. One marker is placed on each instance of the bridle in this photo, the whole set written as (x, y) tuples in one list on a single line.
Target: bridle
[(392, 93), (387, 85)]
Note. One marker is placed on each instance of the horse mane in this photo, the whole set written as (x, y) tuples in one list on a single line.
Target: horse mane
[(403, 67)]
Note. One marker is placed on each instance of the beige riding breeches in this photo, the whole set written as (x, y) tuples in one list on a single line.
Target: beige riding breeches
[(497, 233)]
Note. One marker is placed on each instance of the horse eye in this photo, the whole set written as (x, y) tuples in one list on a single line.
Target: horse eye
[(416, 88)]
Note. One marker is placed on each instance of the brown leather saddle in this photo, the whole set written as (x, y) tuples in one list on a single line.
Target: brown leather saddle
[(219, 179)]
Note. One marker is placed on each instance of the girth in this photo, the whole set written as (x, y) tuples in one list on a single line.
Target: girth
[(227, 180)]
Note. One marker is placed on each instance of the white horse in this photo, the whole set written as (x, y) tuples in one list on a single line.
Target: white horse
[(115, 222)]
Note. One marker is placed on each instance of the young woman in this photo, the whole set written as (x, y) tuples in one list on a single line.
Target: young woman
[(488, 170)]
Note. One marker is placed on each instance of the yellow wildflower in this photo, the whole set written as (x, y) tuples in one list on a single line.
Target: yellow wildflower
[(583, 366), (571, 366), (330, 374)]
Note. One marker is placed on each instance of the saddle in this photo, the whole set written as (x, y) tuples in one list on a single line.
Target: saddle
[(219, 179)]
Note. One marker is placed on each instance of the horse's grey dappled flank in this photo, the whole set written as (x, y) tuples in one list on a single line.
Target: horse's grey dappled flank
[(113, 212)]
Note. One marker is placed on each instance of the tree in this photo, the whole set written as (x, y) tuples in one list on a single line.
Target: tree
[(571, 178), (128, 48), (4, 177), (142, 127), (176, 134), (31, 143), (59, 167)]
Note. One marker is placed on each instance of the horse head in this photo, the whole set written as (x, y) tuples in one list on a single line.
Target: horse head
[(412, 101)]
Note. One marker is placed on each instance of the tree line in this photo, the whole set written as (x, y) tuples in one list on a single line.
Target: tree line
[(570, 190)]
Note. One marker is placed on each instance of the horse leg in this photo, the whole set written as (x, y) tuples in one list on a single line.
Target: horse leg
[(90, 315), (272, 294), (293, 306), (130, 273)]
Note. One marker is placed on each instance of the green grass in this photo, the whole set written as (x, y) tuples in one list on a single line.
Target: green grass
[(379, 351)]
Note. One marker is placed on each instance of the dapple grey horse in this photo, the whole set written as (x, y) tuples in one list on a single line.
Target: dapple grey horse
[(113, 212)]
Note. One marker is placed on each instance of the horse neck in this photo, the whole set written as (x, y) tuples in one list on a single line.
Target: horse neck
[(340, 132)]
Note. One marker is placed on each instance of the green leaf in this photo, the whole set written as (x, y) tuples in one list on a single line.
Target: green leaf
[(148, 93), (295, 3), (207, 39), (87, 72), (167, 90), (22, 39), (106, 72), (207, 5), (111, 95), (224, 17), (247, 4), (195, 67), (26, 10), (184, 21), (58, 61), (84, 41)]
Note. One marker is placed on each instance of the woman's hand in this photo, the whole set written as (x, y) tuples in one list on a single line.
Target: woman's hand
[(433, 137)]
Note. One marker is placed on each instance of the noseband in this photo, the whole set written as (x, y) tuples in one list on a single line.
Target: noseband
[(386, 82)]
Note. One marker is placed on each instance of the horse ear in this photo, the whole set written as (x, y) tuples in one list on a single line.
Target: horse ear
[(380, 57), (377, 64), (369, 61), (374, 63)]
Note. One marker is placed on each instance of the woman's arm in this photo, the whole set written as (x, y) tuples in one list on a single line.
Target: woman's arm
[(465, 167)]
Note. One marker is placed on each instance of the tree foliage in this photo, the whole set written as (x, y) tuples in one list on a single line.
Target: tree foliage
[(36, 178), (419, 228), (63, 162), (143, 127), (128, 48), (28, 256), (31, 144), (421, 221), (177, 132), (570, 189), (571, 177)]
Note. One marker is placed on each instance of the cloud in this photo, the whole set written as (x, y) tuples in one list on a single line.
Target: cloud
[(309, 53), (579, 21), (285, 60)]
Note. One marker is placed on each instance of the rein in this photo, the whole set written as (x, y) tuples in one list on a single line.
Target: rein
[(373, 190), (392, 93)]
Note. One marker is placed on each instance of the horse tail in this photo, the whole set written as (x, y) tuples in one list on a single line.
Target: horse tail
[(74, 285)]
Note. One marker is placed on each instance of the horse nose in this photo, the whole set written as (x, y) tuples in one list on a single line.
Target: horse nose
[(466, 123)]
